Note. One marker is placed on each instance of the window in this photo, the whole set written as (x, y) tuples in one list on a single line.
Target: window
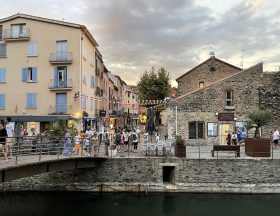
[(84, 102), (196, 130), (91, 104), (201, 84), (3, 50), (212, 69), (212, 129), (92, 59), (229, 98), (92, 81), (1, 32), (84, 52), (2, 75), (19, 30), (31, 100), (84, 77), (2, 101), (29, 74), (32, 49)]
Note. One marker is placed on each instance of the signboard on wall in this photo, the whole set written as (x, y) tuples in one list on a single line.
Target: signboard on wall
[(225, 116)]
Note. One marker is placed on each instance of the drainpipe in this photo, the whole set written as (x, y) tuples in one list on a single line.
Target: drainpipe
[(176, 117)]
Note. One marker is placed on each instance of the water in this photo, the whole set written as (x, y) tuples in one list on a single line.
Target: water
[(157, 204)]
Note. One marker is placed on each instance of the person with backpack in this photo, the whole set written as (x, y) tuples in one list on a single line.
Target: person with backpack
[(135, 141), (118, 139)]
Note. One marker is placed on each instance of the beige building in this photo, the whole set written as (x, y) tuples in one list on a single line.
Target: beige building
[(47, 71)]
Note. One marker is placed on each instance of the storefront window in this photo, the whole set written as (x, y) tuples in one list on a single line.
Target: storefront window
[(212, 129)]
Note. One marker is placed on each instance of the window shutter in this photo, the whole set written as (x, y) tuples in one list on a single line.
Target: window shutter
[(31, 101), (28, 100), (92, 81), (2, 101), (2, 75), (24, 74), (55, 77), (34, 74)]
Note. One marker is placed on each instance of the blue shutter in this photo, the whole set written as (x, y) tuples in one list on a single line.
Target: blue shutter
[(34, 74), (2, 101), (31, 100), (55, 77), (24, 74), (92, 81), (28, 100), (84, 102), (2, 75)]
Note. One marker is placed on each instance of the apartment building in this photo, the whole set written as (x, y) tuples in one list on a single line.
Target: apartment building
[(48, 72)]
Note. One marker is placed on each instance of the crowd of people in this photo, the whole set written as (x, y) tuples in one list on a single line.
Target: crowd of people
[(88, 142)]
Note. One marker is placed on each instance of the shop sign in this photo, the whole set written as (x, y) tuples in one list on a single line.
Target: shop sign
[(225, 116), (102, 113)]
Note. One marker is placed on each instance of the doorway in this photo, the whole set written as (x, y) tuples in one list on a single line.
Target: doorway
[(224, 130), (168, 174)]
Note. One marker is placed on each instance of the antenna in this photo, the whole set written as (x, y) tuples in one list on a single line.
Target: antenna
[(242, 56)]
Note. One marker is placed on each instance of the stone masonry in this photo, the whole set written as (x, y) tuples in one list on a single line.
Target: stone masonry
[(190, 175), (209, 71)]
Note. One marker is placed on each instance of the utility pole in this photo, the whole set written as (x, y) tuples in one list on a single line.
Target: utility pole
[(242, 55)]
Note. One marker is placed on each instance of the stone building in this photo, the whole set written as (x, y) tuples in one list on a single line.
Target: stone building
[(205, 114)]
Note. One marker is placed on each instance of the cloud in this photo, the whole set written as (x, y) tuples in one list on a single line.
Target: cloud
[(177, 35)]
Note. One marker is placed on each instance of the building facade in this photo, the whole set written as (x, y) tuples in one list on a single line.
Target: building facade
[(47, 71), (207, 114)]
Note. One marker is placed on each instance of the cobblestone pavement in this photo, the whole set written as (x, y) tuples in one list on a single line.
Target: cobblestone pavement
[(193, 152)]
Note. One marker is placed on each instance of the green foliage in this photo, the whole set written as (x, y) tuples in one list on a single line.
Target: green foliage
[(154, 85), (56, 129), (258, 119), (179, 140)]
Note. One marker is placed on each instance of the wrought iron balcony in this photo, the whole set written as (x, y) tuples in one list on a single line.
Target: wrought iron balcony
[(55, 85), (61, 57), (12, 34), (60, 110)]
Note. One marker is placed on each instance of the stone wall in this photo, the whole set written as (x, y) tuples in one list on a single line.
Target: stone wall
[(203, 73), (191, 175)]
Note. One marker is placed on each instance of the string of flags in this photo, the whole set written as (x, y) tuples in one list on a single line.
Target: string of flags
[(125, 103)]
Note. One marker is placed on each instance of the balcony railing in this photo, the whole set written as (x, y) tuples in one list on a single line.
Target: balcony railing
[(60, 110), (12, 34), (60, 85), (61, 57)]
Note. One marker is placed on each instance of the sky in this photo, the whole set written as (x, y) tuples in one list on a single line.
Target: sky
[(136, 35)]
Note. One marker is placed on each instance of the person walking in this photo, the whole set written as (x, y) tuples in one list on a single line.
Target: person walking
[(157, 137), (3, 136), (10, 128), (67, 150), (135, 141), (234, 138), (275, 138)]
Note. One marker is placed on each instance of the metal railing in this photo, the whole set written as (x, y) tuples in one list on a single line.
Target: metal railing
[(63, 57), (58, 84), (16, 34), (29, 149), (60, 110)]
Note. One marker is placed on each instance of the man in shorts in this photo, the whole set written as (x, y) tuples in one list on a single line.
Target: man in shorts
[(10, 127)]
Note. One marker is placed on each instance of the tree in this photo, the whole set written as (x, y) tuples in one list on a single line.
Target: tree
[(258, 119), (154, 85)]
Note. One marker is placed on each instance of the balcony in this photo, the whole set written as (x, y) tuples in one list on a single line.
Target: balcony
[(56, 85), (61, 58), (60, 110), (16, 35)]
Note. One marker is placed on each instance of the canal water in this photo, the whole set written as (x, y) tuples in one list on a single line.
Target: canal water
[(129, 204)]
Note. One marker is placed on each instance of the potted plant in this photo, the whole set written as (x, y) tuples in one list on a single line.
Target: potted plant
[(180, 147), (257, 146)]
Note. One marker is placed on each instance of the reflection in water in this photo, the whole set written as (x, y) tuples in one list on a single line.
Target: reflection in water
[(70, 203)]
